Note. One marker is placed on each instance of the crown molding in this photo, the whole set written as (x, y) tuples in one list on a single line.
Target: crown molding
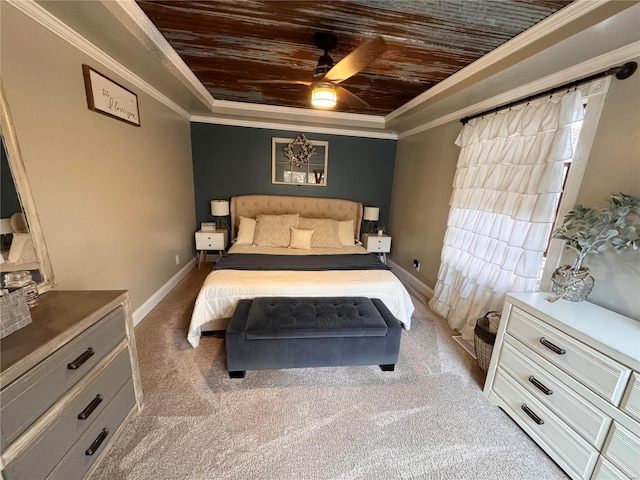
[(584, 69), (376, 121), (54, 25), (546, 27), (349, 132), (129, 13)]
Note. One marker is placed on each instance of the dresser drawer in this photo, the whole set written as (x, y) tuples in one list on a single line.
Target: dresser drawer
[(631, 400), (604, 376), (77, 461), (43, 454), (622, 448), (569, 446), (24, 400), (577, 412), (605, 470)]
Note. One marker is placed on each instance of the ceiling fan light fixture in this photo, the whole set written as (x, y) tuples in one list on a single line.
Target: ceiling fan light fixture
[(324, 95)]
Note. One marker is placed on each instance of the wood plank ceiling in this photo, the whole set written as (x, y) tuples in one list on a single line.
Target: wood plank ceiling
[(231, 44)]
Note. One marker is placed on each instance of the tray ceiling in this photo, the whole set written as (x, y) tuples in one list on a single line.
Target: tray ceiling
[(232, 46)]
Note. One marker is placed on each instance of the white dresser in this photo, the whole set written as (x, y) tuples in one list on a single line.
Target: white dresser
[(70, 381), (567, 373)]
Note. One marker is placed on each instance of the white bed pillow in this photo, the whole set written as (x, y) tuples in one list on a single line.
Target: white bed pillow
[(346, 232), (300, 239), (325, 233), (274, 230), (246, 230)]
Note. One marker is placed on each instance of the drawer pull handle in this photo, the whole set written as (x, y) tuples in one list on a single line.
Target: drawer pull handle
[(533, 416), (552, 347), (540, 386), (77, 363), (97, 442), (90, 408)]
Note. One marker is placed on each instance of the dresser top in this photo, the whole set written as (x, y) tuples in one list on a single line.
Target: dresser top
[(57, 318), (614, 334)]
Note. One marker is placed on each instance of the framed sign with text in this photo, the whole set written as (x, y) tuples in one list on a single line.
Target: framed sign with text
[(109, 98)]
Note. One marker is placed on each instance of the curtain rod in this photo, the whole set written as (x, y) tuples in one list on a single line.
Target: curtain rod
[(622, 72)]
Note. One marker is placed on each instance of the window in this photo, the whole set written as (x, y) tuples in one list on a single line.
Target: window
[(311, 171), (583, 136)]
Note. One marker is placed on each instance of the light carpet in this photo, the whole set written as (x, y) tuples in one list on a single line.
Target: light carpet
[(426, 420)]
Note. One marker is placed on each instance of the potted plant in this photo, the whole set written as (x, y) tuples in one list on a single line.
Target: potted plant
[(588, 231)]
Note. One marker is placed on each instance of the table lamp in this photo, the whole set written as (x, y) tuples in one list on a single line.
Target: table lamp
[(371, 214), (220, 209)]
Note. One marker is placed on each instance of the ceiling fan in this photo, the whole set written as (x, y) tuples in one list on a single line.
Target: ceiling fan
[(327, 76)]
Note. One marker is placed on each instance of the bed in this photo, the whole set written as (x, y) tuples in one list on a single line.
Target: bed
[(258, 264)]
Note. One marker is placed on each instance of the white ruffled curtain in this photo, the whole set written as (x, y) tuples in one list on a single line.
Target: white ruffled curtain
[(505, 192)]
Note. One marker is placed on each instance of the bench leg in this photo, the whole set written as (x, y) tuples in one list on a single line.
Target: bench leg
[(237, 374), (389, 367)]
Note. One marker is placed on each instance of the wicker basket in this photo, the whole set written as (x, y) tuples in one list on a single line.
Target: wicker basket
[(14, 313), (483, 341)]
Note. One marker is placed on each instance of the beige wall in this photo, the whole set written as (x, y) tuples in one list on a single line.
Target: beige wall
[(424, 170), (115, 201), (614, 166), (425, 167)]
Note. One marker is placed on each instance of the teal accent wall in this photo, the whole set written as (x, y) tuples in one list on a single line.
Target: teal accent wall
[(229, 161)]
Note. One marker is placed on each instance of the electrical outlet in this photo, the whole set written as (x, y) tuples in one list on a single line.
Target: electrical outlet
[(416, 265), (177, 259)]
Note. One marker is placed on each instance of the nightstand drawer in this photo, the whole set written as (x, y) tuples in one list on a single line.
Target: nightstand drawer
[(374, 243), (601, 374), (44, 453), (24, 400), (211, 240), (210, 245)]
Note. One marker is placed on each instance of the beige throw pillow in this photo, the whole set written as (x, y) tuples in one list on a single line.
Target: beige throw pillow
[(274, 230), (325, 233), (246, 230), (300, 239), (346, 232)]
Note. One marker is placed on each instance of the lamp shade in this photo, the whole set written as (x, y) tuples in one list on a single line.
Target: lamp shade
[(5, 226), (219, 208), (371, 213)]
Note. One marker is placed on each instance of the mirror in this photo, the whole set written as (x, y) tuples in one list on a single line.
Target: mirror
[(23, 223)]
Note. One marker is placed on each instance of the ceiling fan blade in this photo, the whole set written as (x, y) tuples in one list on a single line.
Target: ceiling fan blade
[(357, 60), (281, 82), (351, 98)]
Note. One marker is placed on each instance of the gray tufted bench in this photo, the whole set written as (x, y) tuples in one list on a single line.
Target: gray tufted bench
[(283, 332)]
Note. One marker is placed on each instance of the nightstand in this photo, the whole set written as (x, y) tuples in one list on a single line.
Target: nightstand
[(210, 240), (380, 244)]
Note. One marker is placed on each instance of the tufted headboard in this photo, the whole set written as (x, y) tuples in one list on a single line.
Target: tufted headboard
[(311, 207)]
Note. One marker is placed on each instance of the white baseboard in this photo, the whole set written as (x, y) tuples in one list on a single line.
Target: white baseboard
[(415, 283), (162, 292)]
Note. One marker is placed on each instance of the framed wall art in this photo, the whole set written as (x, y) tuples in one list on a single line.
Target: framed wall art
[(298, 161), (109, 98)]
